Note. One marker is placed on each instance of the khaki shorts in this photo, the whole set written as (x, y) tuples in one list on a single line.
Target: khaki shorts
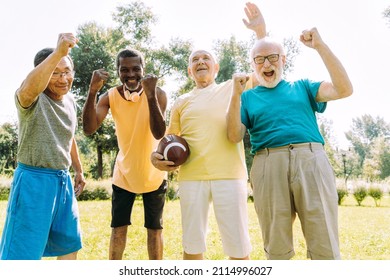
[(229, 198), (290, 180)]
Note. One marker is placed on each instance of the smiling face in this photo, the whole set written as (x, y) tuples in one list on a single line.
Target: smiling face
[(130, 72), (61, 81), (202, 68), (269, 73)]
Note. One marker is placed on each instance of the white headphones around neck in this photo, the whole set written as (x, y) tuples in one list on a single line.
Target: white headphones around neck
[(133, 96)]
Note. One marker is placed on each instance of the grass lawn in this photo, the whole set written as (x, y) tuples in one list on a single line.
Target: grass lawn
[(364, 232)]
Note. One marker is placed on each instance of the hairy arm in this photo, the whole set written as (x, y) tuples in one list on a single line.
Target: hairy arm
[(340, 85)]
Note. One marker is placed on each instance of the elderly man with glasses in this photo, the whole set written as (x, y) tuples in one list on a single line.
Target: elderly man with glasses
[(291, 173), (42, 217)]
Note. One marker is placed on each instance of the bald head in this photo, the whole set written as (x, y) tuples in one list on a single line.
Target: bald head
[(200, 52), (202, 68), (266, 46)]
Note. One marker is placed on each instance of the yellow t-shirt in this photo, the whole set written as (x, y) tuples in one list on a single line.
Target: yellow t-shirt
[(200, 117), (133, 169)]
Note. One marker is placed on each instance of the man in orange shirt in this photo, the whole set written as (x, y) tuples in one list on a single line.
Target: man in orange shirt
[(138, 109)]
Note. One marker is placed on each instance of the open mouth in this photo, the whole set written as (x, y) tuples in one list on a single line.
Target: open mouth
[(269, 73)]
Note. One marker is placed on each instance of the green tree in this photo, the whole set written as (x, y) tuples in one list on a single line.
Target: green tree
[(292, 50), (326, 130), (233, 57), (8, 146), (386, 15), (377, 163), (135, 20), (97, 49), (363, 133)]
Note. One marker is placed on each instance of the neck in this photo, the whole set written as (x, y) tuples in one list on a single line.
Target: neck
[(203, 84), (54, 96)]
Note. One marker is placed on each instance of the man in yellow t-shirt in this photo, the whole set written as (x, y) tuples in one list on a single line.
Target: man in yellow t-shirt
[(138, 109), (215, 170)]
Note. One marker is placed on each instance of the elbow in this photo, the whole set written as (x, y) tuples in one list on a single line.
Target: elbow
[(347, 92), (234, 137), (350, 91), (88, 131), (160, 133), (158, 136)]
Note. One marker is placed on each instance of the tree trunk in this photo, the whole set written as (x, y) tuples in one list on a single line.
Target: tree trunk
[(100, 162)]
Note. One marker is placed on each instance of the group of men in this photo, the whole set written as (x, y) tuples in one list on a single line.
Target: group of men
[(290, 174)]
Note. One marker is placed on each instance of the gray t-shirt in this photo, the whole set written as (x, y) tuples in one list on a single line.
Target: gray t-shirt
[(46, 130)]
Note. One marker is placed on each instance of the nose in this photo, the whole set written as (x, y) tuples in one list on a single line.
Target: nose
[(62, 77), (267, 63), (201, 61)]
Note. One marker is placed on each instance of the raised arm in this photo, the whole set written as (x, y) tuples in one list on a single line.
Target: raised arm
[(94, 114), (38, 79), (157, 100), (235, 128), (340, 85), (255, 20)]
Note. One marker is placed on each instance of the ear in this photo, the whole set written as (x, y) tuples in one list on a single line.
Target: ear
[(216, 68), (284, 59), (253, 65), (189, 73)]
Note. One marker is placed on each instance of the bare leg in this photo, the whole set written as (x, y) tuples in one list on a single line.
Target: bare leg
[(117, 242), (155, 244), (192, 256), (71, 256)]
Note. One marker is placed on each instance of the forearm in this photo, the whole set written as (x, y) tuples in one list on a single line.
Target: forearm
[(337, 72), (156, 119), (235, 131), (89, 114), (37, 80), (74, 154), (260, 31)]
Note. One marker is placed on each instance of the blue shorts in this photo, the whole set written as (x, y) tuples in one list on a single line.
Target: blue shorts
[(42, 215)]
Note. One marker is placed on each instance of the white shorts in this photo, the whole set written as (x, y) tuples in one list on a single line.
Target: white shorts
[(229, 198)]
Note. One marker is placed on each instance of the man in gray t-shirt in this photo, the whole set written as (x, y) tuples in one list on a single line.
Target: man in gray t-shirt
[(42, 218)]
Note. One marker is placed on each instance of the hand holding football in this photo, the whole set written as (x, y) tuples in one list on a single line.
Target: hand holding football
[(174, 148)]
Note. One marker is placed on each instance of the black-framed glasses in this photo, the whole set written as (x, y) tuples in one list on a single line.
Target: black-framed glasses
[(271, 58)]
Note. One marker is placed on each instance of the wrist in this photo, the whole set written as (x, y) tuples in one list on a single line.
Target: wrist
[(92, 91)]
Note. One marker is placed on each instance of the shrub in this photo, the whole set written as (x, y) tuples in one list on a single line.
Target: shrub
[(342, 193), (4, 193), (376, 193), (360, 194), (171, 193), (98, 193)]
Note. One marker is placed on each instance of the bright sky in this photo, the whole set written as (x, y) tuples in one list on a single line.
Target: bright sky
[(355, 30)]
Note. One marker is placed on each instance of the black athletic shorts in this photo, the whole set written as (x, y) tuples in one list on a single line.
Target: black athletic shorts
[(122, 205)]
